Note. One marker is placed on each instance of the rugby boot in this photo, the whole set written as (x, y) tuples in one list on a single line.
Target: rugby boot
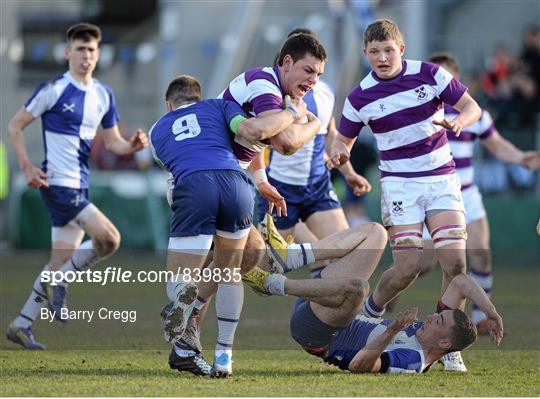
[(277, 248), (194, 364), (256, 278), (222, 367), (24, 337), (453, 362)]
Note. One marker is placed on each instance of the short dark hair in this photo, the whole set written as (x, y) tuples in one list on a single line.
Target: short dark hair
[(295, 32), (83, 31), (445, 58), (382, 30), (300, 44), (183, 89), (464, 331)]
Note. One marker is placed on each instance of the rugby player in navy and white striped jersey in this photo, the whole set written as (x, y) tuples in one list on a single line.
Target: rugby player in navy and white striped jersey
[(72, 107), (402, 102), (211, 202)]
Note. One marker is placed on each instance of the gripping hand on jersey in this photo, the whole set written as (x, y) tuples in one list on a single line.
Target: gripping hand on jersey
[(297, 107), (403, 320), (450, 124)]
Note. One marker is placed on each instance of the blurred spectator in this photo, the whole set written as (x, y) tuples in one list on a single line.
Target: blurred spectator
[(530, 58), (510, 91)]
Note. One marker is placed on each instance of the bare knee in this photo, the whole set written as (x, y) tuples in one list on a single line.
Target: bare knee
[(375, 233), (454, 268), (107, 244)]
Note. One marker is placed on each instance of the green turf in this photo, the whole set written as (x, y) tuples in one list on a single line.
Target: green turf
[(109, 358)]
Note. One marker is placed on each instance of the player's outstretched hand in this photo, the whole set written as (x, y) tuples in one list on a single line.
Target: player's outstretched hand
[(358, 183), (495, 328), (450, 124), (139, 140), (403, 320), (531, 160), (35, 177), (339, 155), (273, 197)]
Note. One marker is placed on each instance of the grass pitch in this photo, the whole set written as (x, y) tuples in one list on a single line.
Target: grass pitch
[(110, 358)]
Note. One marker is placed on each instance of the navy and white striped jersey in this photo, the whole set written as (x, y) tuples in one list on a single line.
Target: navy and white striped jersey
[(405, 354), (71, 114), (307, 164)]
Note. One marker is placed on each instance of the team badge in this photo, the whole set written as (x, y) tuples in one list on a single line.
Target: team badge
[(397, 207), (420, 93), (68, 107)]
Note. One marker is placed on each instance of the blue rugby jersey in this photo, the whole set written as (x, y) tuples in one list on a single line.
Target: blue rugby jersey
[(197, 137), (71, 114), (405, 355)]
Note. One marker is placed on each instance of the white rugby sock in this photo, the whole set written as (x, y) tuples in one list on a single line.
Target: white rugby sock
[(36, 300), (299, 255), (175, 286), (275, 284), (229, 302), (484, 280), (83, 258)]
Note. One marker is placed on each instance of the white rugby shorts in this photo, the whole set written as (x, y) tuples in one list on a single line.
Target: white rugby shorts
[(406, 202)]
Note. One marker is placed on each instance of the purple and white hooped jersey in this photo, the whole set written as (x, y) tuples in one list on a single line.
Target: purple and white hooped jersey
[(462, 147), (405, 354), (71, 114), (400, 111), (307, 164), (257, 90)]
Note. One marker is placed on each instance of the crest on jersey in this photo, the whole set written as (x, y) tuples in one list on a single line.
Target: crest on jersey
[(397, 207), (68, 107), (382, 107), (420, 93)]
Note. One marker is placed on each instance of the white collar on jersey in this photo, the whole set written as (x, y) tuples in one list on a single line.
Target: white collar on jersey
[(184, 106), (78, 84)]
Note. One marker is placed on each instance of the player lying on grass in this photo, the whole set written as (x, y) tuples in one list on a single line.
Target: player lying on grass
[(325, 322)]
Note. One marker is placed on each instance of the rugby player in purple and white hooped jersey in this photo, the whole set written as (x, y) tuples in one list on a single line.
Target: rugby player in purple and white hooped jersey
[(303, 179), (462, 147), (402, 102), (262, 92), (72, 107)]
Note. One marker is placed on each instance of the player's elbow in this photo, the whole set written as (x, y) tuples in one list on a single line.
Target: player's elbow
[(286, 146)]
